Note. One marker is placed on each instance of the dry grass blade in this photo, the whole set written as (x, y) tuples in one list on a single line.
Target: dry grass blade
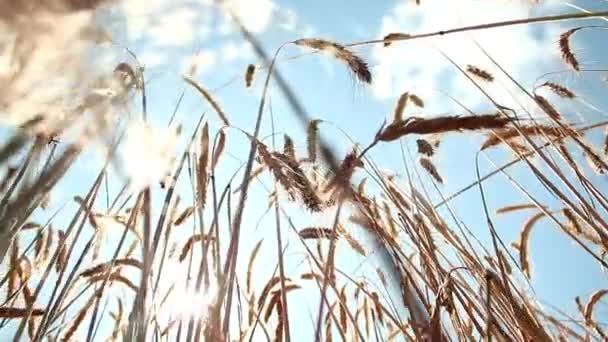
[(316, 233), (208, 98), (593, 300), (356, 64), (524, 239), (480, 73), (429, 167), (252, 257), (416, 125), (249, 75)]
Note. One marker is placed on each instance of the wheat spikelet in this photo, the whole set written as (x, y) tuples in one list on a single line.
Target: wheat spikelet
[(565, 49), (366, 317), (416, 125), (208, 98), (266, 290), (312, 137), (190, 242), (288, 148), (595, 162), (317, 233), (274, 299), (398, 197), (524, 238), (428, 165), (378, 307), (300, 182), (218, 149), (547, 107), (593, 299), (606, 142), (559, 90), (381, 276), (62, 251), (277, 171), (202, 177), (104, 267), (39, 245), (354, 244), (497, 137), (516, 207), (14, 265), (79, 317), (342, 310), (251, 312), (249, 75), (11, 172), (8, 312), (252, 257), (184, 216), (416, 100), (114, 277), (48, 243), (328, 335), (425, 148), (400, 107), (394, 36), (30, 225), (572, 220), (340, 182), (280, 324), (480, 73), (356, 64)]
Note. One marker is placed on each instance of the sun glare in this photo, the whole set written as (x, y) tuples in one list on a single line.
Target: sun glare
[(184, 303)]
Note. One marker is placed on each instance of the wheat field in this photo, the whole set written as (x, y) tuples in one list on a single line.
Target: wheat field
[(192, 227)]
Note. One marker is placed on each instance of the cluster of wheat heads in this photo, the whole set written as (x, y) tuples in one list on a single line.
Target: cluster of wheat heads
[(62, 280)]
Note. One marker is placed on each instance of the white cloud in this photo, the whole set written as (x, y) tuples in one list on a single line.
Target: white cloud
[(418, 64), (176, 28), (151, 58), (254, 14), (231, 51), (200, 63)]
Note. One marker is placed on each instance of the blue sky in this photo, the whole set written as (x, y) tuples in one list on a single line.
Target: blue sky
[(168, 36)]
